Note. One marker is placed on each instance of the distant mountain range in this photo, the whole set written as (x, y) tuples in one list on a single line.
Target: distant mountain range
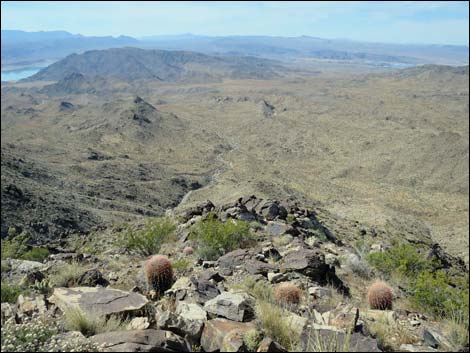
[(22, 49), (170, 66)]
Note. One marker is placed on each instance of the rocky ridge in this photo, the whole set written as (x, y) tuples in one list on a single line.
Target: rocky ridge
[(210, 306)]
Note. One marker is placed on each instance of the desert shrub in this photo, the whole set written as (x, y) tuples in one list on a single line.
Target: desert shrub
[(258, 289), (457, 330), (328, 342), (402, 260), (380, 296), (252, 339), (287, 293), (217, 238), (433, 293), (14, 246), (159, 273), (270, 318), (290, 218), (358, 266), (66, 275), (181, 264), (36, 254), (9, 293), (89, 325), (148, 241)]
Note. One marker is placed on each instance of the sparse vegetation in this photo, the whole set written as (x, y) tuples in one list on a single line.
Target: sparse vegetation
[(9, 293), (331, 342), (217, 238), (358, 266), (252, 340), (279, 330), (433, 293), (36, 254), (66, 275), (148, 241), (181, 264), (402, 260), (76, 320)]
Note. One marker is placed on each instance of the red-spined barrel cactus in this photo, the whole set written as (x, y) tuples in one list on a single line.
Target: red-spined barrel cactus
[(287, 293), (159, 273), (188, 250), (380, 296)]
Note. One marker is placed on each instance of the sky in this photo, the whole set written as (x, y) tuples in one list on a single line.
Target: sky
[(426, 22)]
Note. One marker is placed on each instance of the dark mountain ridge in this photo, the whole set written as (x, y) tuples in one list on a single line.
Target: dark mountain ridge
[(170, 66)]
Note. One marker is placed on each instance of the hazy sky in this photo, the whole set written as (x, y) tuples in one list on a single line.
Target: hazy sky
[(441, 22)]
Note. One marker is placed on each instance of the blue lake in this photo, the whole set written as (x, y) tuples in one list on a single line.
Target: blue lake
[(13, 75)]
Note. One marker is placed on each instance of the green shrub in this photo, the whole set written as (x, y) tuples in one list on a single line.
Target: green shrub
[(36, 254), (181, 264), (217, 238), (10, 293), (433, 293), (14, 247), (148, 241), (402, 260), (66, 275), (76, 320), (258, 289), (252, 339)]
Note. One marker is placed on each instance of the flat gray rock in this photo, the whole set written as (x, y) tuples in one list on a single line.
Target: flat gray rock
[(141, 341), (98, 301)]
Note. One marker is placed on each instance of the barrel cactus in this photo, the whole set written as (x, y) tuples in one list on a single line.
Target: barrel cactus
[(380, 296), (188, 250), (287, 293), (159, 273)]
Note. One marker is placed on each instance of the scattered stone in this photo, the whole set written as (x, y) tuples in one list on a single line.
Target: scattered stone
[(268, 345), (256, 267), (30, 305), (92, 278), (320, 292), (276, 277), (233, 306), (216, 330), (138, 323)]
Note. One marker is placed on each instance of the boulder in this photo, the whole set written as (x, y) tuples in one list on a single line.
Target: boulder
[(233, 306), (92, 278), (224, 335), (188, 321), (256, 267), (98, 301), (277, 228), (312, 264), (141, 341), (138, 323), (233, 259)]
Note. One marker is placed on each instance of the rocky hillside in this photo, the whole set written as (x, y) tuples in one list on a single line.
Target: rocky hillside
[(251, 275), (161, 65)]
